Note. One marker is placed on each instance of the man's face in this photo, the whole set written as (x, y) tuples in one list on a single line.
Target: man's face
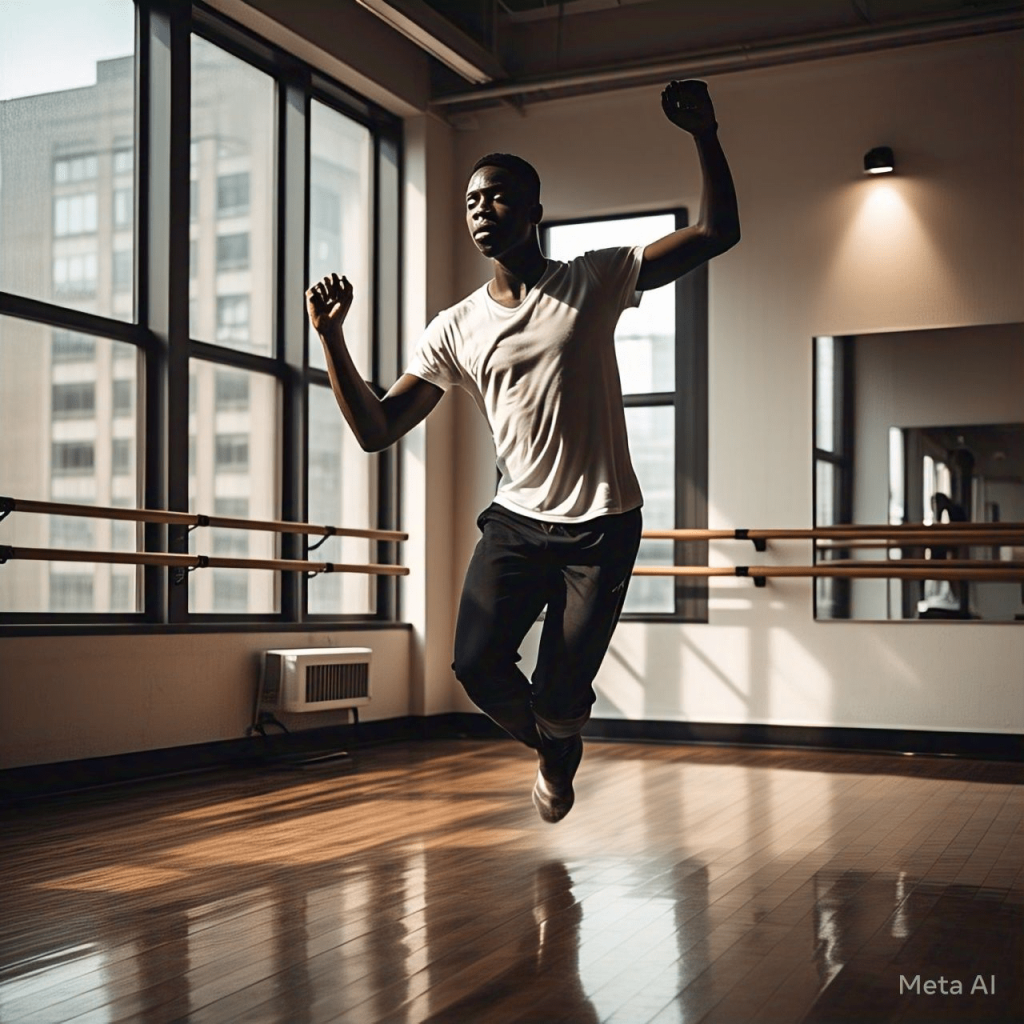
[(498, 213)]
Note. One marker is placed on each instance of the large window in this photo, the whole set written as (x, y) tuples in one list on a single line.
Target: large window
[(661, 348), (153, 339)]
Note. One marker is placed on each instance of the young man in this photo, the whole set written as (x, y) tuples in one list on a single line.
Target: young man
[(535, 349)]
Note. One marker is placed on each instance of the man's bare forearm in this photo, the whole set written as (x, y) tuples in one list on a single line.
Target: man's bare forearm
[(359, 405), (719, 214)]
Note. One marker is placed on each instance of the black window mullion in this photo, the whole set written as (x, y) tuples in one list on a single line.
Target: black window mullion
[(386, 319), (168, 275), (292, 233)]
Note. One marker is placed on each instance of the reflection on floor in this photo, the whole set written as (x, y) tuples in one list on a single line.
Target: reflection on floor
[(688, 884)]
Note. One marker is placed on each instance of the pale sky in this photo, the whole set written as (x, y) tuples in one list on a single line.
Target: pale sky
[(48, 45)]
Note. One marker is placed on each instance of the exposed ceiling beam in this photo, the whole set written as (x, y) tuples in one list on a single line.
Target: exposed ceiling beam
[(754, 55), (439, 37)]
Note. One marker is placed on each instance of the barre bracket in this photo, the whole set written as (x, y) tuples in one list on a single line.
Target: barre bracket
[(328, 567), (6, 551), (6, 508), (329, 531), (201, 520), (760, 544), (203, 563), (744, 570)]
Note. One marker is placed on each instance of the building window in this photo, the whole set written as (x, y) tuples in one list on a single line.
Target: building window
[(227, 542), (232, 252), (122, 456), (232, 319), (75, 275), (231, 390), (122, 592), (74, 215), (193, 200), (124, 213), (661, 348), (70, 592), (121, 271), (72, 169), (124, 161), (123, 397), (72, 458), (71, 532), (72, 347), (75, 401), (231, 453), (230, 590), (233, 194)]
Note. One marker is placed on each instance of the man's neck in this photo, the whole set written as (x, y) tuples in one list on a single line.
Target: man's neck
[(515, 274)]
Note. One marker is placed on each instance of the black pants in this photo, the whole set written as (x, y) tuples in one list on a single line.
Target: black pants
[(580, 572)]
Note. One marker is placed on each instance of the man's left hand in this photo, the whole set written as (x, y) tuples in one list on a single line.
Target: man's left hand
[(688, 105)]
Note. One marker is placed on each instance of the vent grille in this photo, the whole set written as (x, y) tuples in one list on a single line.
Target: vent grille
[(337, 682)]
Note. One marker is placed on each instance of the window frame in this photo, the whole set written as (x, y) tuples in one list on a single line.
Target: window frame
[(834, 590), (689, 401), (161, 184)]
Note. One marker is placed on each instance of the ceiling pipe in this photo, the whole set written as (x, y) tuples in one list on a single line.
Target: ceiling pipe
[(752, 56)]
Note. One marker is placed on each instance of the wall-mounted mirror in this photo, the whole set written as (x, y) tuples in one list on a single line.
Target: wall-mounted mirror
[(919, 427)]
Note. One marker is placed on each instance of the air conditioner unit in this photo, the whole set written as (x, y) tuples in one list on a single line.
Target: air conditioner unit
[(314, 679)]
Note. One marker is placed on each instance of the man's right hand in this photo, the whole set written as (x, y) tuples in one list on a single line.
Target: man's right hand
[(328, 302)]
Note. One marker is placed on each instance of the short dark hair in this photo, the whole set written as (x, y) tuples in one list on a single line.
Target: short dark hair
[(524, 173)]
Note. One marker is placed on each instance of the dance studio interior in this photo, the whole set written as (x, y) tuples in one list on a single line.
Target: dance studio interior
[(240, 780)]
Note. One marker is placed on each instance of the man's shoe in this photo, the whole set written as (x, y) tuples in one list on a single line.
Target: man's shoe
[(553, 795)]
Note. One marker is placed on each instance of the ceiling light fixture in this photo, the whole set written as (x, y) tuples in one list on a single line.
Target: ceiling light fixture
[(879, 160)]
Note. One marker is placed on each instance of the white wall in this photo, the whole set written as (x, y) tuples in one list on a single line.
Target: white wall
[(824, 251), (66, 697)]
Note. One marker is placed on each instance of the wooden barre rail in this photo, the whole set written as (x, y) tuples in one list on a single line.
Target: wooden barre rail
[(1005, 539), (193, 561), (943, 570), (910, 533), (190, 519)]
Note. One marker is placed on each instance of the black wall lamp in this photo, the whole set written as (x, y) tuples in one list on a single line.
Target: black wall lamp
[(879, 160)]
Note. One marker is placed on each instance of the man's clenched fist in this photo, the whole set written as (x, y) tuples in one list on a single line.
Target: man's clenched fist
[(688, 105), (328, 302)]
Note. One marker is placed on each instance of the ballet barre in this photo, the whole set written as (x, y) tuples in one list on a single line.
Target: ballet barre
[(829, 539), (192, 520), (192, 562), (912, 534), (172, 561), (938, 569)]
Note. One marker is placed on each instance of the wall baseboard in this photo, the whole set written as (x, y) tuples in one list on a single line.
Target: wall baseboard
[(312, 746)]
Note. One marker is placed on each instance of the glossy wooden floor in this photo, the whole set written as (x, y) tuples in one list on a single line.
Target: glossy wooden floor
[(688, 884)]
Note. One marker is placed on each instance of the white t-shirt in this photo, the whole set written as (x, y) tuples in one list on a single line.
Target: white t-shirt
[(544, 375)]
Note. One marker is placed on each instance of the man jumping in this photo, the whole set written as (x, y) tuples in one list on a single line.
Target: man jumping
[(535, 349)]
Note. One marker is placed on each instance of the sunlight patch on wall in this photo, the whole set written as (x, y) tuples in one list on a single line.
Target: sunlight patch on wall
[(887, 262)]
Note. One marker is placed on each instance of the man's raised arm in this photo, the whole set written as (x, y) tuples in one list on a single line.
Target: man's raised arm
[(688, 105), (376, 422)]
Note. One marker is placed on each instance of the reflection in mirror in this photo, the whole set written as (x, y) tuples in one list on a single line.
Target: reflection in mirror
[(923, 427)]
